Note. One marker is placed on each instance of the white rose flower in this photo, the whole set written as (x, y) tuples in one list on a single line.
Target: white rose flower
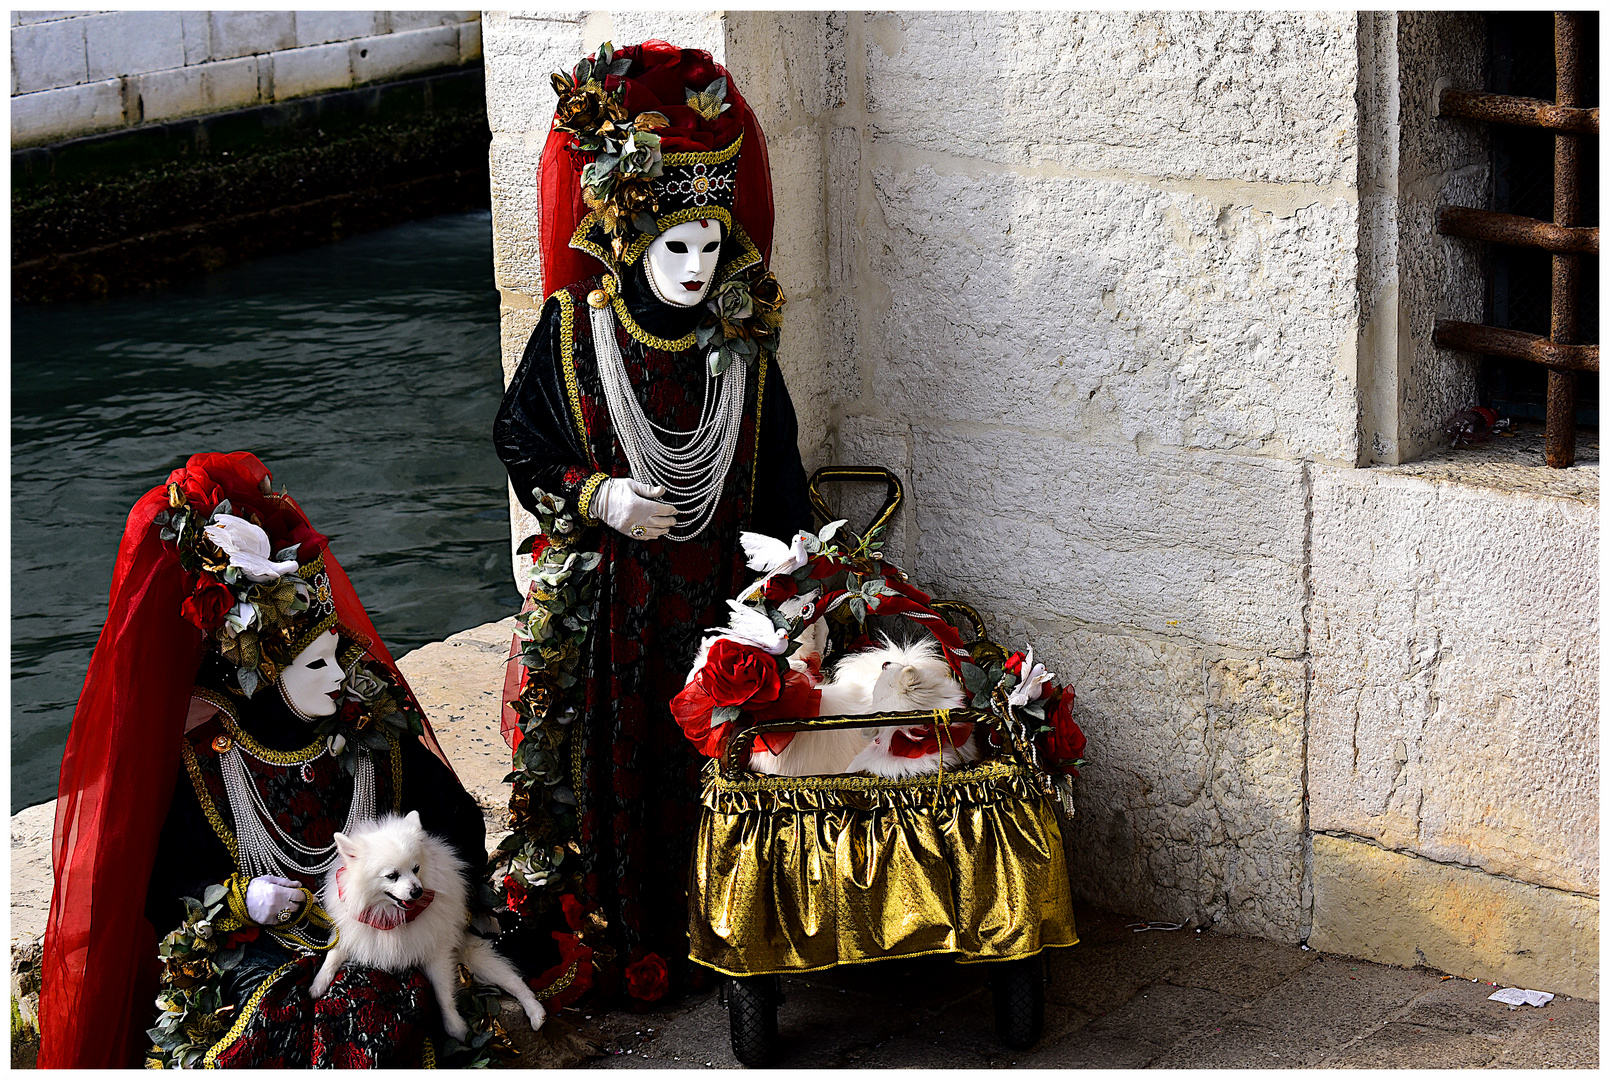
[(248, 548)]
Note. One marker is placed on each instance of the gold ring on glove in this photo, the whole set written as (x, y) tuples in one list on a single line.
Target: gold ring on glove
[(285, 916), (639, 532)]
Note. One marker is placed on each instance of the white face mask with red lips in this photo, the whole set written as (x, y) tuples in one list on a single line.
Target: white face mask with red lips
[(682, 262), (310, 680)]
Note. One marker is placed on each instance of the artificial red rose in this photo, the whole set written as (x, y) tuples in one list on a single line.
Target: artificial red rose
[(780, 587), (199, 489), (516, 894), (1014, 664), (647, 979), (1065, 742), (799, 697), (693, 709), (207, 606), (575, 911), (738, 674)]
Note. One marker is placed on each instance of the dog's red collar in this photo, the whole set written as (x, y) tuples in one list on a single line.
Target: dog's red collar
[(387, 916)]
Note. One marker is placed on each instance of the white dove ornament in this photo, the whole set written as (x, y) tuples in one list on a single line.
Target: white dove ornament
[(752, 628)]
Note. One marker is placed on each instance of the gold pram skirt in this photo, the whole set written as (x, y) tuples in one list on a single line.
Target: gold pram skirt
[(805, 873)]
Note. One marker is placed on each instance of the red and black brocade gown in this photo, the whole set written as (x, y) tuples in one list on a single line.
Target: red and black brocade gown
[(369, 1018), (639, 784)]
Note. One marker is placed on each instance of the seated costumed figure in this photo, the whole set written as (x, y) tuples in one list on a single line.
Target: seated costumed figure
[(239, 710), (646, 426)]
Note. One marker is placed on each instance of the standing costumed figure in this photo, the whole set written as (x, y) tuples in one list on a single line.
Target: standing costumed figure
[(646, 426), (239, 709)]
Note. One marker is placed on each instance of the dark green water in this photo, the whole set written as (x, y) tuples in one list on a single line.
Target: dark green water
[(364, 374)]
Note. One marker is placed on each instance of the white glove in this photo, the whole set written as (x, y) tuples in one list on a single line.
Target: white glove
[(268, 897), (630, 508)]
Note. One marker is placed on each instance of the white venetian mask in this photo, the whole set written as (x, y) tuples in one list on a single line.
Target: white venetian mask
[(310, 680), (682, 261)]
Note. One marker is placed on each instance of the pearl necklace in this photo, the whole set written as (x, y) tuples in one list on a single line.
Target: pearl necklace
[(693, 467), (276, 853)]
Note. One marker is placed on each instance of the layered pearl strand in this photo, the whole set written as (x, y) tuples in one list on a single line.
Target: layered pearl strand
[(265, 848), (693, 466)]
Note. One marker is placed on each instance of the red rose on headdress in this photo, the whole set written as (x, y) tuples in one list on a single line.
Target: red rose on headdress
[(200, 491), (1065, 742), (516, 894), (737, 674), (207, 606), (1014, 663), (647, 979)]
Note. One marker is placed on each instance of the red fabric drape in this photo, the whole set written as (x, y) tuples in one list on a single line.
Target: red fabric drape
[(99, 976), (659, 76)]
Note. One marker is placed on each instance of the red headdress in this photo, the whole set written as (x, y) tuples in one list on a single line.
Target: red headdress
[(714, 166), (99, 977)]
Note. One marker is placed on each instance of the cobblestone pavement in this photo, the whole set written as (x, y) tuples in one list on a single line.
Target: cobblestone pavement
[(1119, 999)]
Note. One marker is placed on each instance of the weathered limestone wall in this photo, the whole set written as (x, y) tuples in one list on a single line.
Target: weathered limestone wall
[(1104, 293), (1126, 299), (80, 72)]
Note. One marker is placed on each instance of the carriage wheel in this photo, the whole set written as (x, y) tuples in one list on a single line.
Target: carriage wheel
[(752, 1010), (1018, 987)]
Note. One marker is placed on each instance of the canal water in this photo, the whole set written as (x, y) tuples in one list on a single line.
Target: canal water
[(364, 374)]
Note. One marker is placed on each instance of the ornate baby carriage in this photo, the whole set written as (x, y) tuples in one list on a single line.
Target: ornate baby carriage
[(799, 874)]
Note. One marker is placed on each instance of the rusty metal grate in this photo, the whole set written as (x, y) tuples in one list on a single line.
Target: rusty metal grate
[(1565, 239)]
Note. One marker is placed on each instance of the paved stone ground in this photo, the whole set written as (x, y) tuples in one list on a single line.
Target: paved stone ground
[(1119, 999), (1168, 999)]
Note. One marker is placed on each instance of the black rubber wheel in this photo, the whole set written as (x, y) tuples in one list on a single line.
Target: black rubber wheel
[(752, 1011), (1018, 987)]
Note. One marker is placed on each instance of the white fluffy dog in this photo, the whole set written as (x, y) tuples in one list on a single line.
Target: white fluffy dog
[(397, 897)]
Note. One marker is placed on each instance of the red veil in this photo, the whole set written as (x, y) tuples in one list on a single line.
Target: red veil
[(657, 80), (99, 978)]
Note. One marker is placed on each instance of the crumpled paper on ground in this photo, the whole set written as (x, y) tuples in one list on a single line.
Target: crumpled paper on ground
[(1514, 995)]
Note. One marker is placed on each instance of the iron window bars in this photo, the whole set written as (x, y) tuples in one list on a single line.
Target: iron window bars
[(1564, 238)]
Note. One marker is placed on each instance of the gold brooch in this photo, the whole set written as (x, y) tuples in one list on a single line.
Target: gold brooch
[(597, 298), (222, 744)]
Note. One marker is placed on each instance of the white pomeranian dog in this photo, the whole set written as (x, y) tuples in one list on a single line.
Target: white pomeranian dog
[(398, 898), (898, 678)]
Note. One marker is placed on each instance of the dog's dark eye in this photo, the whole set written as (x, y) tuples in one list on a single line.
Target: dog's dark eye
[(416, 868), (392, 876)]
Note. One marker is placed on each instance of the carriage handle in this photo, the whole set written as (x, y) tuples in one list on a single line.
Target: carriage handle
[(894, 494), (736, 752)]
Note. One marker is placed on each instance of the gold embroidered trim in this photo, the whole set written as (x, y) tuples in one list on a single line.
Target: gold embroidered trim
[(586, 496), (396, 769), (635, 249), (961, 958), (560, 984), (640, 334), (225, 833), (748, 255), (754, 465), (430, 1054), (967, 774), (706, 157), (275, 757), (210, 1059), (567, 361)]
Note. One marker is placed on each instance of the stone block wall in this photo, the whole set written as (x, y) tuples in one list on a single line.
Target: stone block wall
[(1127, 300), (81, 72)]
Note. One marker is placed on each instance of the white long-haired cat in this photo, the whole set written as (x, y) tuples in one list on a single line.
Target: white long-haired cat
[(900, 678)]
